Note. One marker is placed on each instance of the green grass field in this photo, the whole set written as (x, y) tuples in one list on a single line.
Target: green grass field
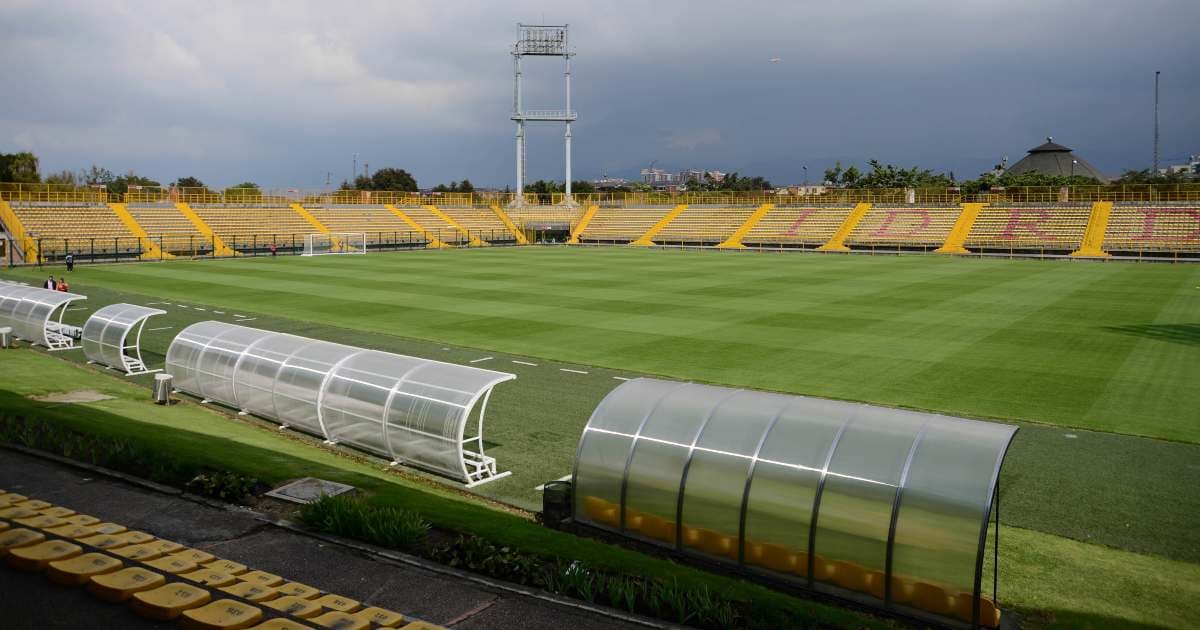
[(1097, 362)]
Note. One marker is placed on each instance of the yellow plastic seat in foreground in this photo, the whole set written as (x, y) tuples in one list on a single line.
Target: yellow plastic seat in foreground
[(109, 528), (83, 519), (423, 625), (168, 601), (41, 521), (4, 525), (135, 538), (279, 623), (173, 565), (15, 512), (380, 617), (195, 555), (36, 504), (223, 614), (339, 603), (209, 577), (104, 541), (989, 615), (121, 585), (141, 553), (71, 530), (58, 512), (251, 592), (261, 577), (80, 569), (295, 606), (36, 557), (226, 566), (296, 589), (341, 621), (13, 497)]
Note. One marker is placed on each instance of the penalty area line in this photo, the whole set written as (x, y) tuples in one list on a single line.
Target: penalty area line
[(480, 360), (163, 328), (571, 371), (524, 363)]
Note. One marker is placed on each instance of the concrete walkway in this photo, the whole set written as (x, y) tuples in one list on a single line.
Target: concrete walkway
[(31, 601)]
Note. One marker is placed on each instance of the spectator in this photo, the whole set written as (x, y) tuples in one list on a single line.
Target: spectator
[(272, 248), (70, 262), (50, 284), (63, 286)]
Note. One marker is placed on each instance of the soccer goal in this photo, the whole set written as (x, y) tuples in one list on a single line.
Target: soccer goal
[(335, 243)]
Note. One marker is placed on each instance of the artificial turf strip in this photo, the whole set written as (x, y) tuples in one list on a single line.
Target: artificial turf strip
[(1058, 582), (1137, 493), (1102, 346)]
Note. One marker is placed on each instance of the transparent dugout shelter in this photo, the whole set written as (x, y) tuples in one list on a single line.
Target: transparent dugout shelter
[(106, 336), (411, 410), (35, 315), (884, 506)]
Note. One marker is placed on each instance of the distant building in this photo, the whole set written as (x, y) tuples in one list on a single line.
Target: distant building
[(608, 183), (1191, 169), (801, 190), (659, 177), (1052, 158)]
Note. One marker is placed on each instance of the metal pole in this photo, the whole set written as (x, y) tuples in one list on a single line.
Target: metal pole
[(1156, 73), (520, 199), (567, 138)]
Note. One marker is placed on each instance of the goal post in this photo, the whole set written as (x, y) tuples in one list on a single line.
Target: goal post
[(335, 243)]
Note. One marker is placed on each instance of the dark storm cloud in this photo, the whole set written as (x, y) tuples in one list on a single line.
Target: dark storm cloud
[(285, 92)]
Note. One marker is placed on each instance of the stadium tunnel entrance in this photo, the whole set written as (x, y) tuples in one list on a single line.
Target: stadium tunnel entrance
[(547, 231)]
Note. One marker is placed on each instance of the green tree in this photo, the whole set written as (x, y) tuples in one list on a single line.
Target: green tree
[(247, 191), (188, 182), (394, 179), (466, 186), (121, 185), (64, 178), (21, 168)]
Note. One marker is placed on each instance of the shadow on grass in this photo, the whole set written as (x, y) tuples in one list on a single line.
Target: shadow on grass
[(1066, 619), (1187, 334)]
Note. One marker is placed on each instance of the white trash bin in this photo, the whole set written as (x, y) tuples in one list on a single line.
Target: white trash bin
[(162, 388)]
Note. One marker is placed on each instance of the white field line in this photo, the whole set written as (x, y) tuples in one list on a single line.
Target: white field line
[(620, 378), (154, 303), (248, 319), (571, 371), (480, 360), (163, 328), (219, 312), (199, 309), (524, 363), (237, 315), (563, 478), (76, 308)]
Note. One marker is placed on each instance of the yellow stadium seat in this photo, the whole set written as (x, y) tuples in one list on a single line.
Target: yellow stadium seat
[(193, 555), (251, 592), (80, 569), (16, 512), (35, 505), (168, 601), (339, 603), (134, 538), (658, 528), (111, 529), (4, 525), (222, 614), (602, 511), (227, 566), (13, 498), (380, 617), (36, 557), (84, 519), (71, 530), (932, 598), (104, 541), (422, 625), (209, 577), (141, 553), (59, 512), (41, 521), (989, 614), (172, 565), (341, 621), (261, 577), (850, 575), (296, 589), (717, 544), (18, 537), (279, 623), (295, 606), (121, 585)]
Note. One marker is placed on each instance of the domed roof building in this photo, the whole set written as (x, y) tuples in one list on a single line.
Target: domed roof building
[(1052, 158)]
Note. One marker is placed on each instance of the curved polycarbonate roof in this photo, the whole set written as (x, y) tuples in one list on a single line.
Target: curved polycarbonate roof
[(106, 334), (890, 503), (405, 408), (30, 311)]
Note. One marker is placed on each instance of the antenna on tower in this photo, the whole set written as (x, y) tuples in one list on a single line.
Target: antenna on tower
[(541, 40)]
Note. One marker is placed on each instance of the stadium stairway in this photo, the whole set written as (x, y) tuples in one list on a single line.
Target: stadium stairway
[(17, 230), (735, 240), (151, 251), (583, 223), (837, 243), (647, 239), (472, 240), (433, 240), (219, 246), (1093, 237), (308, 216), (508, 223), (962, 227)]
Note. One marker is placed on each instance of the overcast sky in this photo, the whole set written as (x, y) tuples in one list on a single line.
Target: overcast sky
[(283, 93)]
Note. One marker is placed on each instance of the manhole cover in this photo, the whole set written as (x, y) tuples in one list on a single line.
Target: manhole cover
[(309, 489)]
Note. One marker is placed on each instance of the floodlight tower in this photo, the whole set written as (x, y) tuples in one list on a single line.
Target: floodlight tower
[(541, 40)]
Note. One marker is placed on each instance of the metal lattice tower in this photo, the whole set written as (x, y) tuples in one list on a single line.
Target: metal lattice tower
[(541, 40)]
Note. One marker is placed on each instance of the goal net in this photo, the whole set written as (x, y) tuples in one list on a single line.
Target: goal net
[(335, 243)]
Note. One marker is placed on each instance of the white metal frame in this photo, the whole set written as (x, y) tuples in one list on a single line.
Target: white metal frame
[(542, 40), (18, 304), (338, 243), (130, 318)]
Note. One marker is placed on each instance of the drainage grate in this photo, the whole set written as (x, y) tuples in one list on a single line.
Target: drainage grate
[(309, 489)]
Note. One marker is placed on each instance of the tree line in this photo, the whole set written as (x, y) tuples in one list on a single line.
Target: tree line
[(890, 176)]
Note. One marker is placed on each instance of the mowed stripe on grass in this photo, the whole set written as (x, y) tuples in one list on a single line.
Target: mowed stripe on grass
[(1073, 343)]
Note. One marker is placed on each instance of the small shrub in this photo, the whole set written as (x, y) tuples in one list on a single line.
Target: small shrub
[(391, 527), (476, 554), (225, 486)]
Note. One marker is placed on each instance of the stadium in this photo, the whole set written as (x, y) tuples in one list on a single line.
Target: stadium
[(872, 407)]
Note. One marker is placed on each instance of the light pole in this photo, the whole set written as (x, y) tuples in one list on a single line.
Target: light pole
[(1073, 163), (1156, 73), (805, 174)]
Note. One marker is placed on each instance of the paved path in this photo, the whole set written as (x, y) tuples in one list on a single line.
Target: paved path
[(31, 601)]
